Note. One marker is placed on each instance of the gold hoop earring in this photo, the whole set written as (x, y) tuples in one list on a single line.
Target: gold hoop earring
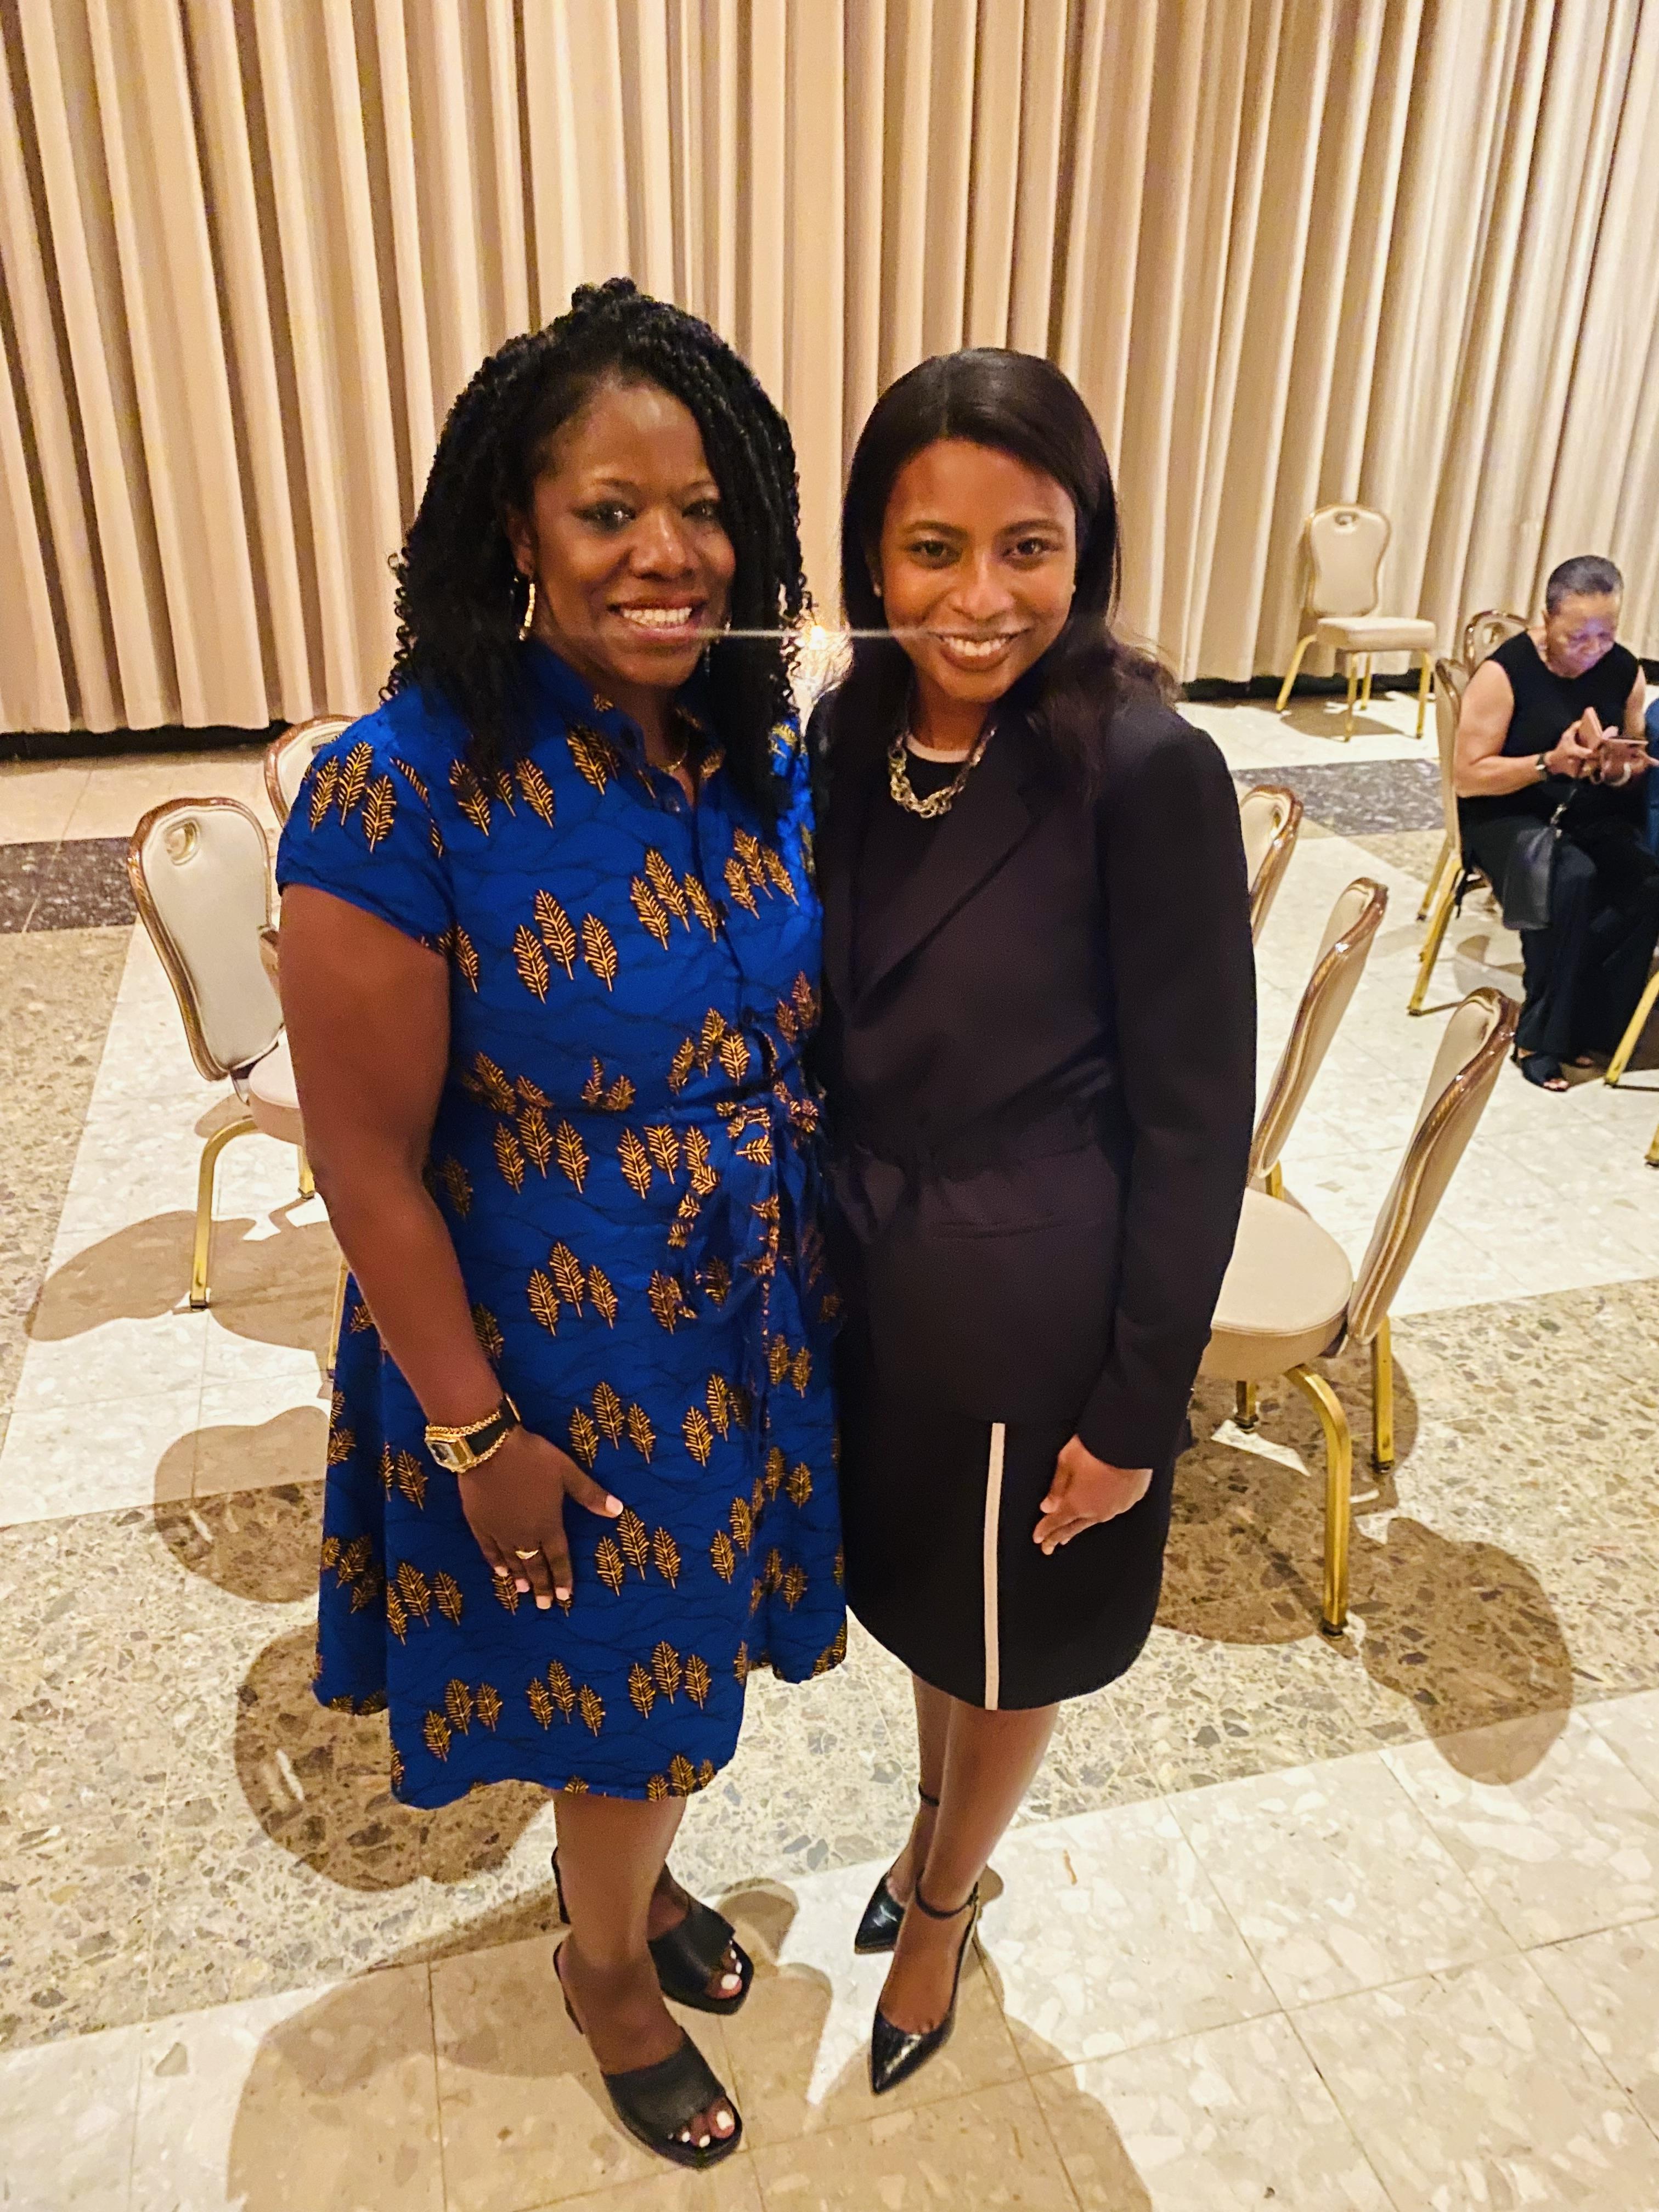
[(529, 609)]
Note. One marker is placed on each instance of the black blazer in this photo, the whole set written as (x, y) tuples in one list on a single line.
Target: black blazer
[(1041, 1084)]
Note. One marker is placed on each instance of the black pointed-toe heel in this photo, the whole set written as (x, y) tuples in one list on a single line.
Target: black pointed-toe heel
[(896, 2053), (687, 1957), (879, 1928), (656, 2104)]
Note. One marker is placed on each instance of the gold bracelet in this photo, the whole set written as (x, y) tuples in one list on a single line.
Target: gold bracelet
[(436, 1432), (490, 1450)]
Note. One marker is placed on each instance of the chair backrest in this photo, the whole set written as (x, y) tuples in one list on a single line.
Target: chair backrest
[(1341, 960), (200, 872), (1269, 818), (1472, 1053), (1346, 545), (1450, 682), (288, 757), (1483, 633)]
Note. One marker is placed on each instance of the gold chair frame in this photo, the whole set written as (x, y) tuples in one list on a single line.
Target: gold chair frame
[(318, 729), (1479, 1070), (1276, 858), (1493, 624), (1352, 656)]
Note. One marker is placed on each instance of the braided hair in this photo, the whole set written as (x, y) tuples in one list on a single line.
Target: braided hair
[(457, 597)]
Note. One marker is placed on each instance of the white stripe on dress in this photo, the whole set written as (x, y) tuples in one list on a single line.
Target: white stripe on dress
[(992, 1523)]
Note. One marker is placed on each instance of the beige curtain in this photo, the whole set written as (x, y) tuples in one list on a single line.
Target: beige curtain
[(1293, 250)]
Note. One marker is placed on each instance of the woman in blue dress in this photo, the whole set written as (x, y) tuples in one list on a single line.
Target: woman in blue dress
[(550, 954)]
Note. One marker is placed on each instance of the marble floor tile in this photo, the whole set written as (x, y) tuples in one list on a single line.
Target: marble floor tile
[(1607, 1984), (319, 2098), (1474, 2088), (732, 2186), (1223, 2122), (122, 788), (1108, 1934), (1251, 734), (1631, 1725), (66, 2124), (75, 1950), (83, 885), (262, 1430), (38, 799), (799, 2048), (1570, 1845), (992, 2151), (97, 1458), (1335, 1879), (526, 2121)]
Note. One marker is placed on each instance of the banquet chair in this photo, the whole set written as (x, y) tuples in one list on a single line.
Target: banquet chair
[(200, 872), (288, 757), (1452, 874), (1344, 949), (1483, 633), (1633, 1028), (1344, 546), (1289, 1297), (1269, 818)]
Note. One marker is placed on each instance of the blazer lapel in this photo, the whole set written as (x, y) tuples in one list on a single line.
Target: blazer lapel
[(987, 820), (853, 789)]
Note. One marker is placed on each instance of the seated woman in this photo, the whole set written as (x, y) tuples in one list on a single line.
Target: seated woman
[(1556, 716)]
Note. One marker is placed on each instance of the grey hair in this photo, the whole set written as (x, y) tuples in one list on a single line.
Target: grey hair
[(1587, 575)]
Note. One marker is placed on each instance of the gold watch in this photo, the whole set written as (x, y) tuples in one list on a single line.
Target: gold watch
[(464, 1450)]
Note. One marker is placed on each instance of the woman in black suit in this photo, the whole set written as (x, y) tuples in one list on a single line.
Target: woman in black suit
[(1039, 1044)]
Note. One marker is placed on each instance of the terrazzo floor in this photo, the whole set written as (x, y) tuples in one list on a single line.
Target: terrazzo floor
[(1370, 1923)]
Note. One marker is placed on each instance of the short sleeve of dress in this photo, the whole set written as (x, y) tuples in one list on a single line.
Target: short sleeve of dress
[(361, 828)]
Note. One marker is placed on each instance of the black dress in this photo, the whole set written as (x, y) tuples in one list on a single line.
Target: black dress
[(1038, 1046), (1584, 973)]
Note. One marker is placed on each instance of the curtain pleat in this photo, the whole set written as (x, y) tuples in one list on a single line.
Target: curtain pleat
[(1291, 251)]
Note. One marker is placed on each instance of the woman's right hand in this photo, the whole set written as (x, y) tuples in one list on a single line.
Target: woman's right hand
[(514, 1503), (1576, 751)]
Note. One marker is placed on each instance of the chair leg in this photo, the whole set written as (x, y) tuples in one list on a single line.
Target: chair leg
[(1302, 646), (1244, 1408), (1423, 682), (1383, 1399), (1339, 1485), (1275, 1181), (204, 1182), (1365, 691), (1432, 944), (1653, 1150), (334, 1324), (307, 1180), (1432, 888), (1632, 1036), (1353, 686)]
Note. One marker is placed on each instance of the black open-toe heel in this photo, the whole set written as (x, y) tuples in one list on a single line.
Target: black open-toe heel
[(896, 2052), (656, 2104), (1542, 1068), (879, 1928), (687, 1957)]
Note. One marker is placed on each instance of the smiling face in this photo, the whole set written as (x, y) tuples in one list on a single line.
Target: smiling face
[(976, 565), (1581, 631), (624, 539)]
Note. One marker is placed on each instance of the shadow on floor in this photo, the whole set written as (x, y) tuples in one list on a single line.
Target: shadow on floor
[(1464, 1630)]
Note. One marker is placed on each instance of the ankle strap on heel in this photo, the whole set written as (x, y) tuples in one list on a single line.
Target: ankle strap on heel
[(933, 1912), (926, 1799)]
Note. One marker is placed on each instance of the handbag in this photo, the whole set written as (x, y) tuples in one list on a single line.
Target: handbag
[(1530, 873)]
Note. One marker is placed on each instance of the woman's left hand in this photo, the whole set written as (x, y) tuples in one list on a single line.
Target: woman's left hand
[(1085, 1490)]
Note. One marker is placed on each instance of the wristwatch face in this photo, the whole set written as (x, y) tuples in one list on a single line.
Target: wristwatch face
[(454, 1457)]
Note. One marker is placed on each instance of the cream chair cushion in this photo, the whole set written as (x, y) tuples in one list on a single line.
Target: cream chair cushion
[(201, 873), (267, 1090), (1376, 633), (1345, 546), (1350, 930), (1285, 1297)]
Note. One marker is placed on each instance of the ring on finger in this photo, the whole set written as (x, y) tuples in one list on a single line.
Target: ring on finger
[(534, 1553)]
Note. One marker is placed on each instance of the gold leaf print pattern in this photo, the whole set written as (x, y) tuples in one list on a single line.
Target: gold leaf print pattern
[(571, 1154), (777, 874), (545, 1301), (558, 935), (614, 1098), (458, 1185), (414, 1590), (509, 1157), (773, 1476), (379, 808), (724, 1557), (489, 1082), (531, 962), (699, 1436), (701, 905), (609, 1412), (656, 1788), (634, 1545), (602, 1297), (592, 757), (663, 880), (354, 778), (665, 1556), (599, 949), (592, 1710), (640, 1434), (800, 1484), (716, 1281), (743, 1523), (703, 1176), (324, 778), (396, 1620), (418, 784), (737, 882), (681, 1775), (608, 1565), (680, 1067), (636, 1161), (568, 1277), (717, 1398), (537, 791), (562, 1688), (575, 1787), (584, 1438), (653, 914), (740, 1664), (734, 1056), (664, 1148), (447, 1595), (458, 1704), (800, 1372), (490, 1706), (642, 1690), (833, 1655), (666, 1666), (470, 795), (435, 1729), (747, 848), (541, 1704), (777, 1358), (794, 1586), (464, 953), (698, 1682), (667, 1301), (412, 1478), (536, 1138)]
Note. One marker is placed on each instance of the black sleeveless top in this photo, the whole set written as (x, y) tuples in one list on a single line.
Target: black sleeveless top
[(1545, 705)]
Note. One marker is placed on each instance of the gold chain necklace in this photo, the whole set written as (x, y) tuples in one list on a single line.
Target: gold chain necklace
[(937, 802)]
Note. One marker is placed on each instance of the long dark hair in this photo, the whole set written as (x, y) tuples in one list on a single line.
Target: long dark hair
[(1018, 403), (459, 597)]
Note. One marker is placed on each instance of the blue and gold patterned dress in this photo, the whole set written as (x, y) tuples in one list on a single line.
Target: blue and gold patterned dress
[(625, 1154)]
